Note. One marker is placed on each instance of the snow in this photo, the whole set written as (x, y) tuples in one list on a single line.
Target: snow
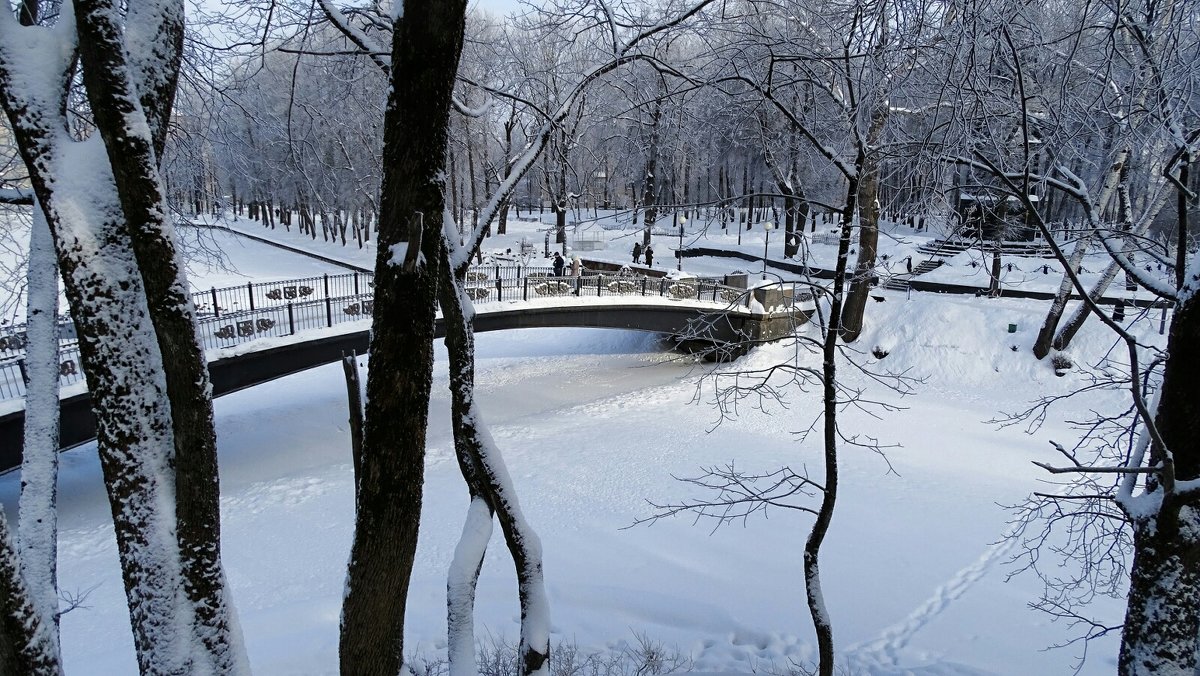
[(592, 423), (460, 588)]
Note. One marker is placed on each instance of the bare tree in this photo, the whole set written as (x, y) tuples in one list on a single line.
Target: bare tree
[(426, 44), (1155, 456)]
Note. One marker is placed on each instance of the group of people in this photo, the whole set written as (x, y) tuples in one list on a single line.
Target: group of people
[(560, 265), (638, 251)]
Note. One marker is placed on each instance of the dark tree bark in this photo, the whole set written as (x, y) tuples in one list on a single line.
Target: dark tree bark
[(650, 189), (1162, 617), (112, 310), (868, 229), (27, 645), (822, 623), (426, 46), (112, 90)]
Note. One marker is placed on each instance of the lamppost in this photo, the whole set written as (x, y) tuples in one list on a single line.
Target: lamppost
[(766, 244), (679, 253)]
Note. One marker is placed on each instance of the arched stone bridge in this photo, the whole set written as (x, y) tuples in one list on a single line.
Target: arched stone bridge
[(263, 331)]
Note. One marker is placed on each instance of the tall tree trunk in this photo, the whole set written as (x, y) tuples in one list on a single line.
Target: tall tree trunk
[(560, 208), (1162, 620), (426, 45), (650, 188), (29, 638), (817, 610), (1045, 337), (488, 479), (37, 524), (134, 157), (868, 229)]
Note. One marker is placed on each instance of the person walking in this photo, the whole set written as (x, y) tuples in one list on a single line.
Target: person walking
[(649, 257), (576, 266), (637, 253), (559, 264)]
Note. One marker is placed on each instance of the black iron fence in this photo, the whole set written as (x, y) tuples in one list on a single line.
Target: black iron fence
[(253, 296)]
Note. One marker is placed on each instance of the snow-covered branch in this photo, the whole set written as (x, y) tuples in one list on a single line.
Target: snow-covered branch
[(16, 196), (379, 55)]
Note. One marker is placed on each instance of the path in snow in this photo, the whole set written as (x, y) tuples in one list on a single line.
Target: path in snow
[(885, 650)]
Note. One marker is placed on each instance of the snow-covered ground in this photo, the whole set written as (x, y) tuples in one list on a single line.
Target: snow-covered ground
[(593, 424)]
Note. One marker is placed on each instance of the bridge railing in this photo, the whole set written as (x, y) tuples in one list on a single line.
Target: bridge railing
[(278, 321), (13, 371), (253, 296)]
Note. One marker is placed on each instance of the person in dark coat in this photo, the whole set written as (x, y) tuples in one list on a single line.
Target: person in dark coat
[(649, 257), (637, 253), (559, 265)]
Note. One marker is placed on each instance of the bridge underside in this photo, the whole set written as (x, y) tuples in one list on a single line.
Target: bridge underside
[(692, 329)]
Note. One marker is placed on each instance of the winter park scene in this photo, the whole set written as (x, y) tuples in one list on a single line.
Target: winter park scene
[(599, 337)]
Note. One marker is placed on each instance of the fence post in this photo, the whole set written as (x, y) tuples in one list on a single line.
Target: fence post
[(598, 278), (326, 285), (250, 292), (328, 310), (643, 286), (525, 294), (24, 372), (291, 321), (662, 286), (216, 310), (499, 285), (356, 282)]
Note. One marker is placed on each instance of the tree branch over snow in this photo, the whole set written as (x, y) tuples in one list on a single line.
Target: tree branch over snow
[(16, 196)]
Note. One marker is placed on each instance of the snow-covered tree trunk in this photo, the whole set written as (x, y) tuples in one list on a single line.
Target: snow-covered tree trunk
[(1062, 340), (114, 175), (488, 479), (121, 361), (37, 525), (460, 588), (131, 100), (426, 45), (37, 516), (28, 643), (1045, 337), (822, 623), (124, 371), (1162, 617)]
